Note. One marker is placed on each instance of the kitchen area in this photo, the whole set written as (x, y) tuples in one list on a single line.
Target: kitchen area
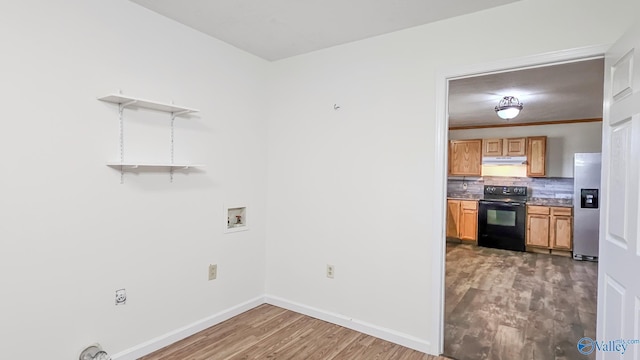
[(503, 199), (523, 205)]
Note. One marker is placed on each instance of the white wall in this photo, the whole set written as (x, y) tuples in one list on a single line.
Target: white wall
[(352, 187), (70, 233), (347, 187), (563, 140)]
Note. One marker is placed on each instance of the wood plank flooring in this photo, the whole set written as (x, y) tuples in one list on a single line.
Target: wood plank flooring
[(270, 332), (502, 304)]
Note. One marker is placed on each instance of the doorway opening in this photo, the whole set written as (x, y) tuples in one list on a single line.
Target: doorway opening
[(499, 282)]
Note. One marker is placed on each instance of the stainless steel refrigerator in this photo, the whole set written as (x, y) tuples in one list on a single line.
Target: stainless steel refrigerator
[(586, 205)]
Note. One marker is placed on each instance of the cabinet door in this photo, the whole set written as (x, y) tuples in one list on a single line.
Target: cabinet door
[(469, 220), (561, 231), (538, 230), (465, 157), (515, 147), (536, 156), (491, 147), (453, 215)]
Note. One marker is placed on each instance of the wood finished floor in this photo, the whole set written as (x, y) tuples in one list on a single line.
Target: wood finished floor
[(270, 332), (501, 304)]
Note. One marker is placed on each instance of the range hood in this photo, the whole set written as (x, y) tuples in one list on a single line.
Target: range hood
[(504, 160)]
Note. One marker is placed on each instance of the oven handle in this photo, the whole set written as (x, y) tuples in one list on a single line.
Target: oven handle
[(499, 203)]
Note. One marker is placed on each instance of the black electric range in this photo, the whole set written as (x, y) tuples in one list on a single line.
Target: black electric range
[(502, 217)]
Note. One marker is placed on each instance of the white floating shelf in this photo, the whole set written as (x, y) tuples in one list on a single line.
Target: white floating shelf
[(151, 165), (147, 104)]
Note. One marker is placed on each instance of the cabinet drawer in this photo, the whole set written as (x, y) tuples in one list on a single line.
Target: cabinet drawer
[(561, 211), (469, 205), (541, 210)]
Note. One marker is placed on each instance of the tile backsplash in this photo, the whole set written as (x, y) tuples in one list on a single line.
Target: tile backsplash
[(538, 188)]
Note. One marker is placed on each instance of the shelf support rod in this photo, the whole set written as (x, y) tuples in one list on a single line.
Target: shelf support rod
[(121, 130), (173, 117)]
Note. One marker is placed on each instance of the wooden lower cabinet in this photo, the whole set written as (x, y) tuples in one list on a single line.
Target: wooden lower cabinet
[(453, 218), (549, 227), (561, 222), (469, 220), (462, 219), (538, 230)]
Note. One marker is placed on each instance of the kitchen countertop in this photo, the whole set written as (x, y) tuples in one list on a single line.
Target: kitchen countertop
[(465, 197), (550, 202), (531, 201)]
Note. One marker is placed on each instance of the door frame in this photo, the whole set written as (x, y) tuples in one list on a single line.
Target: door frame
[(442, 128)]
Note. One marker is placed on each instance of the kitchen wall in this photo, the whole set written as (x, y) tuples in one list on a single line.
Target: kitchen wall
[(563, 141), (71, 234), (353, 187), (558, 189)]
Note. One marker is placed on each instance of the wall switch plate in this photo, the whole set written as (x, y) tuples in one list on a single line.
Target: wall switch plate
[(121, 297), (213, 271), (330, 271)]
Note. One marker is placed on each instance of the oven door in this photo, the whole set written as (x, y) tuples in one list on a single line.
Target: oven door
[(501, 225)]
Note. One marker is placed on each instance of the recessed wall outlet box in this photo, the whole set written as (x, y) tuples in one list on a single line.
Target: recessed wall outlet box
[(330, 271), (236, 218), (121, 297), (213, 271)]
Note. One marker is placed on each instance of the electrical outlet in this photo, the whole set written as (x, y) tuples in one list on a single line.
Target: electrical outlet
[(213, 271), (121, 297), (330, 271)]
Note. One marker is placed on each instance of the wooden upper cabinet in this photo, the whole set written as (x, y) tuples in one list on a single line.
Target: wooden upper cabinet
[(504, 147), (465, 157), (515, 147), (491, 147), (536, 156)]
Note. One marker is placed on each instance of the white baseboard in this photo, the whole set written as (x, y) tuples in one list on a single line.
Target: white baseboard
[(353, 324), (185, 331)]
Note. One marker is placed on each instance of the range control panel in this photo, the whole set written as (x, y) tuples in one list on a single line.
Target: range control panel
[(505, 190)]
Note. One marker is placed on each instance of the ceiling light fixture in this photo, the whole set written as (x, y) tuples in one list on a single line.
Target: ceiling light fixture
[(509, 107)]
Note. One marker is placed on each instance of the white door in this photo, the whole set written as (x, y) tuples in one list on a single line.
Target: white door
[(619, 266)]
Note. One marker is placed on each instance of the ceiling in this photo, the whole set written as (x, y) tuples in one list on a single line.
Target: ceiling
[(559, 92), (277, 29)]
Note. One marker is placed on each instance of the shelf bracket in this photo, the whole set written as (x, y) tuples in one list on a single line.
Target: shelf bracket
[(178, 113), (128, 103)]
